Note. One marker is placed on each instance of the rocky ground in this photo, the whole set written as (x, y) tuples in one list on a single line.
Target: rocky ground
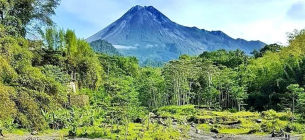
[(194, 135), (212, 136)]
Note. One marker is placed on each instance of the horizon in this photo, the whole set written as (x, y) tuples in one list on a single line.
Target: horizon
[(267, 25)]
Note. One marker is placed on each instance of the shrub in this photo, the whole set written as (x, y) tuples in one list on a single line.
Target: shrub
[(79, 100), (270, 125)]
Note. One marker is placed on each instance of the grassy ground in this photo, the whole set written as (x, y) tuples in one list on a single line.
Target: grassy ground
[(176, 122)]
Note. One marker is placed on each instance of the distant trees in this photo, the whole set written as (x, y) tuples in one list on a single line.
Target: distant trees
[(102, 46), (270, 48), (213, 79)]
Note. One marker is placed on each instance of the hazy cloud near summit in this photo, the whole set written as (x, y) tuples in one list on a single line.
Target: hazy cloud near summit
[(297, 11), (265, 20)]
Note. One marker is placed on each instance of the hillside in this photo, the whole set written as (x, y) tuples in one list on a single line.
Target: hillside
[(103, 46)]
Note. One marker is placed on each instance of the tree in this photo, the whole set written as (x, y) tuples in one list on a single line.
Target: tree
[(296, 92), (26, 15), (270, 48), (151, 88)]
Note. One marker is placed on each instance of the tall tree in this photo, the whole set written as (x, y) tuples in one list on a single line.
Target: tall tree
[(27, 15)]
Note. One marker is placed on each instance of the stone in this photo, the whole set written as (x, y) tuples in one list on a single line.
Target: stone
[(193, 124), (138, 120), (1, 133), (152, 115), (34, 133), (197, 131), (214, 130), (259, 120)]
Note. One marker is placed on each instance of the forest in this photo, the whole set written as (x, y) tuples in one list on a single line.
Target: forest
[(53, 81)]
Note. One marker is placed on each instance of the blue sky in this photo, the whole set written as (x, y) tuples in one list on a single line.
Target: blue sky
[(265, 20)]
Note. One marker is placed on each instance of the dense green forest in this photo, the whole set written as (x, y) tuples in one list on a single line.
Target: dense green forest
[(58, 82)]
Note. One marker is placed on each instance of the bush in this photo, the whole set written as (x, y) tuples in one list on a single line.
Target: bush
[(7, 106), (295, 127), (79, 100), (270, 125), (180, 110)]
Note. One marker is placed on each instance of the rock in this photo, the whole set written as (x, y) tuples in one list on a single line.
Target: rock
[(1, 133), (197, 131), (259, 120), (161, 122), (193, 124), (292, 119), (279, 134), (34, 133), (214, 130), (138, 120), (218, 136), (252, 131), (152, 115)]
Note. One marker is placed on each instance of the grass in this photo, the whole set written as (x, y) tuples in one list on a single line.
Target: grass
[(204, 127), (225, 122), (20, 132), (234, 131), (135, 130), (244, 121)]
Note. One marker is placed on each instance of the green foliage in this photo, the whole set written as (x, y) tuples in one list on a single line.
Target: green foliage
[(267, 48), (56, 73), (7, 73), (229, 59), (7, 106), (179, 110), (151, 87), (234, 131), (276, 124), (103, 46), (23, 16)]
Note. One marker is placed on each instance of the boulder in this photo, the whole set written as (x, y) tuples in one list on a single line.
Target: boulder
[(1, 133), (152, 115), (214, 130), (259, 120), (34, 133), (138, 120), (193, 124)]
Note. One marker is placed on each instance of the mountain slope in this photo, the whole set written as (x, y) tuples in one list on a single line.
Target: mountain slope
[(146, 33)]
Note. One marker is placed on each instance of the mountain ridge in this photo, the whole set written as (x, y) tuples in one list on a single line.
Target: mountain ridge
[(148, 34)]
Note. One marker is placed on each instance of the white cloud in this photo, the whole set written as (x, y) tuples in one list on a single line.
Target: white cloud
[(265, 20)]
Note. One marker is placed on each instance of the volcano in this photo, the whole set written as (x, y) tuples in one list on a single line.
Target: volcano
[(146, 33)]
